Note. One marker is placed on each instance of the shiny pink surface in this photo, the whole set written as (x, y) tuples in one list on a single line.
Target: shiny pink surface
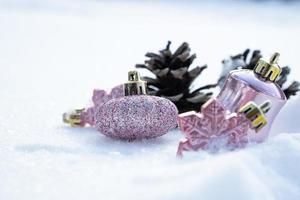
[(243, 86), (213, 128), (136, 117)]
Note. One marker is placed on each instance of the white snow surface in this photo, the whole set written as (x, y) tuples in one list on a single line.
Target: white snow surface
[(52, 55)]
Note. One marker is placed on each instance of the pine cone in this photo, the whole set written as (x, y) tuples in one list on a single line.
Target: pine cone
[(245, 61), (173, 78), (292, 89)]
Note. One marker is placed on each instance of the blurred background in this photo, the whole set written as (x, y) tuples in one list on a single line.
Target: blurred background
[(58, 50), (53, 53)]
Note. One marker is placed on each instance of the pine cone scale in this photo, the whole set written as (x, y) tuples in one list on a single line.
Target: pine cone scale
[(173, 78)]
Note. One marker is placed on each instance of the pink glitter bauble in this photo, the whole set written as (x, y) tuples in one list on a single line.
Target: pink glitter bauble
[(136, 117)]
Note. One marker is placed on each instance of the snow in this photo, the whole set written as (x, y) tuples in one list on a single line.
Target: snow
[(52, 55)]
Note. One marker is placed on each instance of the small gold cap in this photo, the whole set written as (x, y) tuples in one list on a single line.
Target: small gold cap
[(268, 71), (73, 118), (135, 86), (256, 114)]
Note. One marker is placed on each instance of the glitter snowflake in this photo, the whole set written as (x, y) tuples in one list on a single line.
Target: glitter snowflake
[(213, 128)]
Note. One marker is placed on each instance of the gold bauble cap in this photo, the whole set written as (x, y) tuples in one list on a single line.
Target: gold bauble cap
[(268, 71), (73, 117), (134, 85), (256, 114)]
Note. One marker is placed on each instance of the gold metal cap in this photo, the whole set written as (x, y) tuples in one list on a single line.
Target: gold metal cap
[(73, 118), (135, 86), (268, 71), (256, 114)]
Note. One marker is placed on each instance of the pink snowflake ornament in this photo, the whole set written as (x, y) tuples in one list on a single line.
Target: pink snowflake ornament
[(213, 128)]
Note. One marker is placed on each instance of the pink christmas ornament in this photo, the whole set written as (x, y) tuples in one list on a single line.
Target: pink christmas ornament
[(234, 118), (127, 112), (258, 85), (136, 117), (213, 128)]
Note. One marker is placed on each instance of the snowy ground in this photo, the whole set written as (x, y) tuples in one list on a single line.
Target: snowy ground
[(53, 53)]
